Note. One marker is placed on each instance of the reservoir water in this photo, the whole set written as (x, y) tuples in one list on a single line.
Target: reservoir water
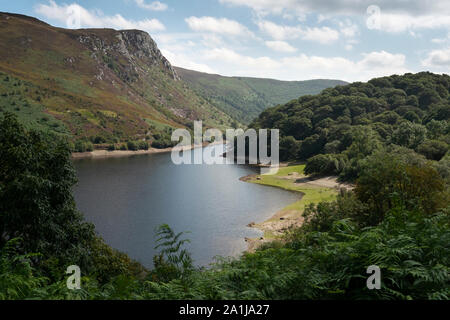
[(127, 198)]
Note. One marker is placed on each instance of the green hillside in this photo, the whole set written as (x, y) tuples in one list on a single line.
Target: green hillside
[(245, 98), (99, 85), (340, 128)]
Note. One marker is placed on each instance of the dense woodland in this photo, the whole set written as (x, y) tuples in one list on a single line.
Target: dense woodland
[(390, 136), (338, 129)]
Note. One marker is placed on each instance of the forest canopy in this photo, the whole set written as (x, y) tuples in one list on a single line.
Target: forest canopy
[(337, 129)]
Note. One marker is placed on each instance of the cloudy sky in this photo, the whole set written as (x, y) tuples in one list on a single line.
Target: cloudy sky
[(352, 40)]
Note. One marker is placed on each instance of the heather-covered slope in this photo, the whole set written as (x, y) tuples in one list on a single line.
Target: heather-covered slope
[(100, 84)]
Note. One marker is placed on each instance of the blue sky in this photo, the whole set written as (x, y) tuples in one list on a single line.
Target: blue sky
[(353, 40)]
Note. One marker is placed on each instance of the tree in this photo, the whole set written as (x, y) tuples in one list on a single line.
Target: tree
[(409, 135), (386, 182), (132, 146), (36, 202), (289, 148), (311, 146), (326, 164), (433, 149)]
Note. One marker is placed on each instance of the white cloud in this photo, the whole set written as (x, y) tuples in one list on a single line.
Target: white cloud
[(396, 23), (75, 16), (348, 29), (154, 6), (217, 25), (279, 32), (358, 7), (396, 16), (228, 56), (441, 40), (184, 61), (383, 59), (322, 35), (280, 46), (438, 59), (302, 66)]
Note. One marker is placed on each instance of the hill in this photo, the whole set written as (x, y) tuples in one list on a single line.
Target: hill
[(100, 85), (339, 128), (245, 98)]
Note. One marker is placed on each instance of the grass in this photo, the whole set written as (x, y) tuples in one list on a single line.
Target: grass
[(311, 194)]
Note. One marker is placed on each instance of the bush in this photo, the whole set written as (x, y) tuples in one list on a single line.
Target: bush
[(143, 145), (132, 146), (326, 164), (80, 146), (89, 147), (162, 144)]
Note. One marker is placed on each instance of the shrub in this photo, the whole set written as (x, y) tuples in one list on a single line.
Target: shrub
[(89, 147), (132, 145), (143, 145), (80, 146), (326, 164)]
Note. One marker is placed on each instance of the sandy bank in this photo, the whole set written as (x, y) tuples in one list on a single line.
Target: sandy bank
[(98, 154), (291, 216)]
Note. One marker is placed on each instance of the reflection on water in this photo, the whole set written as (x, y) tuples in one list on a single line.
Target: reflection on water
[(127, 198)]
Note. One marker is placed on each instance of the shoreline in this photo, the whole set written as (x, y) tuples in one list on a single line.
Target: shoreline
[(290, 178), (103, 154)]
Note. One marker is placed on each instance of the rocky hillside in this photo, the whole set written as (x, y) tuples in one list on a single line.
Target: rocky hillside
[(98, 84), (245, 98)]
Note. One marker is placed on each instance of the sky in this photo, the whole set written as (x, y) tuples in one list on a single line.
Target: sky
[(352, 40)]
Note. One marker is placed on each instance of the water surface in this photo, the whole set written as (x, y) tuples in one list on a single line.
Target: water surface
[(127, 198)]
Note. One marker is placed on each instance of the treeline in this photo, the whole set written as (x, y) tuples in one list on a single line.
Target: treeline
[(338, 129)]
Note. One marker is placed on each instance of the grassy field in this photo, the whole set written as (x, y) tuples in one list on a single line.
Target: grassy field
[(311, 194)]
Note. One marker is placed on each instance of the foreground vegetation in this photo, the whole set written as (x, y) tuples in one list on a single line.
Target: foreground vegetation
[(397, 218)]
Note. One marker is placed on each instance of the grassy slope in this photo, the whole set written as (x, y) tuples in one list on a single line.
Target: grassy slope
[(311, 194), (64, 76), (244, 98)]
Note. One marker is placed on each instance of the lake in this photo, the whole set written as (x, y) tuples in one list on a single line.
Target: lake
[(127, 198)]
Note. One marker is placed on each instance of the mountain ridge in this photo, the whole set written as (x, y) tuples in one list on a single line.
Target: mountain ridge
[(102, 84), (256, 94)]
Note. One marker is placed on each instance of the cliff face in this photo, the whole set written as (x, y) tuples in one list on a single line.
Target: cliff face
[(100, 82), (137, 47)]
